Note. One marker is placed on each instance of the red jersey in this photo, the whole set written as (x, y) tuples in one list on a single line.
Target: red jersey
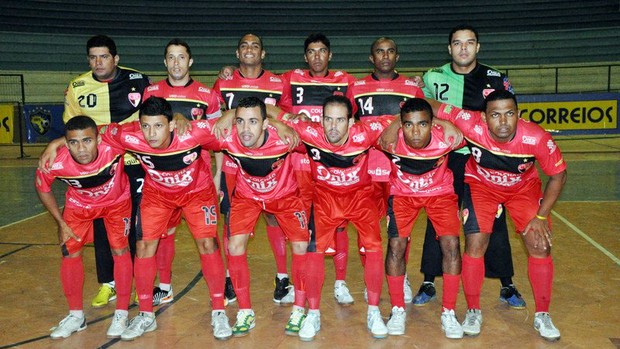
[(195, 101), (265, 173), (342, 168), (99, 184), (504, 166), (420, 172), (267, 86), (304, 93), (180, 168), (375, 97)]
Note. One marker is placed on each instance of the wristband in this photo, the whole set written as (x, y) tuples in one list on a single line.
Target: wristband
[(542, 218)]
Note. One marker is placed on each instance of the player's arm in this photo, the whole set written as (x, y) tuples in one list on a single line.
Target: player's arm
[(539, 225), (286, 133), (226, 72), (49, 154), (49, 202)]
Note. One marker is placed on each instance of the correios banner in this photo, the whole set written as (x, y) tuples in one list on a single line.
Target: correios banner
[(587, 113)]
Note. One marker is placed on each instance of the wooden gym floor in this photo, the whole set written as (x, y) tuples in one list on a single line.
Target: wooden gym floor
[(584, 307)]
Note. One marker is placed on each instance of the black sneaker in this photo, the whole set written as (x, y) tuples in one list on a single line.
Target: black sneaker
[(229, 292), (425, 294), (512, 297), (161, 297), (281, 289)]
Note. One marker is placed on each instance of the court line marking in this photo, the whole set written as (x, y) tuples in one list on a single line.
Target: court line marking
[(587, 238), (25, 219)]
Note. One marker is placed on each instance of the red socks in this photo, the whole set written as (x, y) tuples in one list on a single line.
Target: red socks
[(144, 273), (240, 276), (277, 240), (123, 277), (540, 272), (373, 276), (342, 252), (72, 278), (395, 288), (473, 276), (315, 276), (213, 272), (299, 278), (165, 256), (450, 290)]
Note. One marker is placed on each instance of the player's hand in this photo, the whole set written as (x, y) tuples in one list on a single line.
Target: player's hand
[(452, 134), (47, 157), (389, 136), (542, 232), (181, 123), (226, 73), (419, 81), (223, 125), (65, 233), (286, 134)]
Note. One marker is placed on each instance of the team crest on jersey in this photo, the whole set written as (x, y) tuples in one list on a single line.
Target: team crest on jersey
[(500, 209), (524, 167), (40, 120), (134, 98), (487, 91), (358, 138), (338, 92), (464, 215), (113, 169), (270, 101), (197, 113), (190, 158), (478, 129), (551, 145), (447, 109), (528, 140), (493, 73), (131, 139), (277, 164)]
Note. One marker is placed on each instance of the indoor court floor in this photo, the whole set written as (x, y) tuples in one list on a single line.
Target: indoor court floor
[(585, 304)]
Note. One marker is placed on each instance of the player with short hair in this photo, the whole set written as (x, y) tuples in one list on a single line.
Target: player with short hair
[(465, 82), (108, 93), (501, 171), (420, 178), (190, 100), (265, 183), (97, 189)]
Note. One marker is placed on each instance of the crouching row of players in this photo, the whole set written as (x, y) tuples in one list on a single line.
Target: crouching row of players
[(501, 171)]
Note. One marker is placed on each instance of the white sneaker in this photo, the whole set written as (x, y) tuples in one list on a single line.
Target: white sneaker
[(544, 326), (118, 325), (396, 324), (450, 325), (290, 296), (375, 324), (294, 322), (407, 290), (221, 327), (342, 294), (67, 326), (310, 326), (472, 323), (138, 326)]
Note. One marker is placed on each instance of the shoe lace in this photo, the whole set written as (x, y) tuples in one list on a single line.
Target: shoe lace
[(296, 317), (545, 319), (472, 318)]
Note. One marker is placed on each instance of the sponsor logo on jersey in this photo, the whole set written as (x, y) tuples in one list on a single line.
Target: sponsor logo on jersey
[(270, 101), (131, 139), (528, 140), (312, 131), (203, 89), (40, 120), (500, 178), (338, 93), (113, 131), (478, 129), (493, 73), (134, 98), (359, 83), (189, 158), (551, 145), (359, 138), (299, 71), (78, 83), (338, 73), (463, 115), (153, 88), (197, 113), (376, 126), (524, 167), (178, 179), (487, 91), (203, 124), (410, 83), (274, 79), (134, 76), (442, 145), (57, 166), (336, 177), (184, 137)]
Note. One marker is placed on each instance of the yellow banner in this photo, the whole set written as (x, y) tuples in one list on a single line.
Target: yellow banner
[(7, 114), (578, 115)]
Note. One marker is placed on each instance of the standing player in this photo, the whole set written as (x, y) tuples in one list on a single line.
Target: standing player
[(338, 148), (108, 93), (304, 92), (382, 93), (178, 178), (420, 178), (501, 171), (251, 80), (193, 101), (264, 184), (465, 83), (97, 189)]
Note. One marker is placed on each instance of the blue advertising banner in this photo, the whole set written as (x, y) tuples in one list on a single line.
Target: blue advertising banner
[(569, 114), (43, 123)]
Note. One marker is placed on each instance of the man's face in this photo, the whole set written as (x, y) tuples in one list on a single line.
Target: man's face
[(250, 52), (501, 117), (177, 62), (157, 130), (82, 145), (417, 129), (250, 126), (463, 48), (318, 56), (384, 57), (102, 63), (336, 123)]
